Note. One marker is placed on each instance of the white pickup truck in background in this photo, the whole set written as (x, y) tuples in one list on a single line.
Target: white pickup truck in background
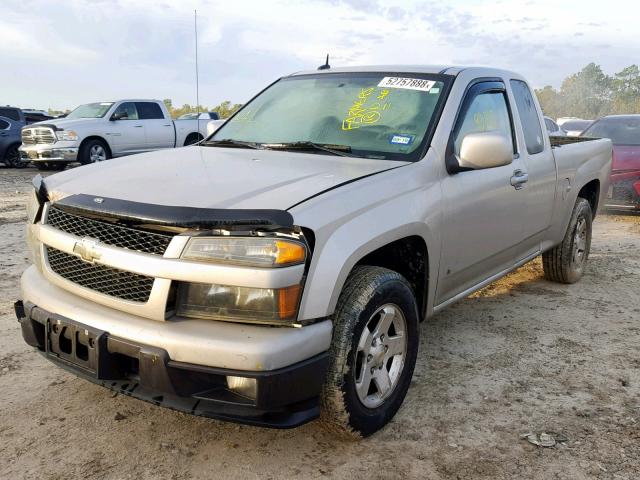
[(98, 131)]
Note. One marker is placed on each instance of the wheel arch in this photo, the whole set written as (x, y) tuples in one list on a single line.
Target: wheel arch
[(591, 192), (408, 256), (190, 135), (96, 137), (405, 250)]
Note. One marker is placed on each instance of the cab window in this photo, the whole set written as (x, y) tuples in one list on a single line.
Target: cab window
[(149, 111), (130, 109), (529, 119), (487, 112)]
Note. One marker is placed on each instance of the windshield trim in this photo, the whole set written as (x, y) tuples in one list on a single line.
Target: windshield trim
[(415, 156)]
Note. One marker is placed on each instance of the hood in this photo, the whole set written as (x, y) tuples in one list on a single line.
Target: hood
[(626, 157), (67, 123), (214, 177)]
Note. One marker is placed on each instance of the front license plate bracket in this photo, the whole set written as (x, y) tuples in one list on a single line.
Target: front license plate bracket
[(76, 344)]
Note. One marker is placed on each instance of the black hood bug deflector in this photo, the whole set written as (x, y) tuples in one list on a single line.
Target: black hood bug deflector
[(174, 216)]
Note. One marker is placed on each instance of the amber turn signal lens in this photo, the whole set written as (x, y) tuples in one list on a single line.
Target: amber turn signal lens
[(289, 253), (288, 302)]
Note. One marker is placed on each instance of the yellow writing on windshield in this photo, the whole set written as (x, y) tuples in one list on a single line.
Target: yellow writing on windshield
[(245, 115), (365, 110)]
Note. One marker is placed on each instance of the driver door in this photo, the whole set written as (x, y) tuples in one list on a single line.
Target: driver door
[(484, 212), (127, 134)]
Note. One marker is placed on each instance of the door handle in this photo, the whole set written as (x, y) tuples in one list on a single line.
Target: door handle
[(166, 125), (519, 178), (138, 126)]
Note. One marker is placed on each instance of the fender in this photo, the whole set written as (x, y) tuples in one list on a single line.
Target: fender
[(408, 199)]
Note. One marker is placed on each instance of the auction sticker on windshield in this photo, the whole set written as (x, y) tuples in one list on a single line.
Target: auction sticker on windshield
[(407, 83)]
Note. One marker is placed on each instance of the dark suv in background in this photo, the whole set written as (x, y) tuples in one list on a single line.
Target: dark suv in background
[(11, 122), (12, 119)]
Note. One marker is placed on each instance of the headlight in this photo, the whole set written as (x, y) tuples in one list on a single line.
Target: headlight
[(66, 135), (222, 302), (246, 251)]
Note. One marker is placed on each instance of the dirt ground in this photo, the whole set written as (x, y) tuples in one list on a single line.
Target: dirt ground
[(522, 355)]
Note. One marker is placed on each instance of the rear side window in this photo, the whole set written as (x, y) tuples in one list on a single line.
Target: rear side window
[(149, 111), (130, 109), (528, 117), (11, 113), (487, 113), (4, 125)]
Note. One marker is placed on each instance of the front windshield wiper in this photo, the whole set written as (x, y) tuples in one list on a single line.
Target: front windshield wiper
[(230, 142), (341, 150)]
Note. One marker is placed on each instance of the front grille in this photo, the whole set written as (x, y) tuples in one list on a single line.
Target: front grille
[(102, 279), (37, 136), (109, 233)]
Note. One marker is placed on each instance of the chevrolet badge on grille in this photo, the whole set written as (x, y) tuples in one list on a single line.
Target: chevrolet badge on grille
[(86, 249)]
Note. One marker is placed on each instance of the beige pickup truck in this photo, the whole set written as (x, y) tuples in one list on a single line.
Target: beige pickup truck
[(279, 271)]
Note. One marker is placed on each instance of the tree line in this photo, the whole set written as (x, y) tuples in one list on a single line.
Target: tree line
[(224, 110), (591, 93)]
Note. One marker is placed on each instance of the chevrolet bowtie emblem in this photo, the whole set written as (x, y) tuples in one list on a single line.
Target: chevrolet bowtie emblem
[(87, 249)]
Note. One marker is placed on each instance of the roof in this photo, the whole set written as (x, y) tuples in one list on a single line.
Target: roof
[(428, 69)]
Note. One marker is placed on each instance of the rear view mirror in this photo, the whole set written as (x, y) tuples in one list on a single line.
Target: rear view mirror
[(485, 150)]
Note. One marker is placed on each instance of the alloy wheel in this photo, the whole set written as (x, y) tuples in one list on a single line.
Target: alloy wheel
[(380, 355), (97, 153)]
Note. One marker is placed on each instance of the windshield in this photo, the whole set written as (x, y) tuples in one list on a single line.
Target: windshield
[(621, 130), (91, 110), (372, 115)]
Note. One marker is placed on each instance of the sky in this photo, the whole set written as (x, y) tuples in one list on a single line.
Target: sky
[(61, 54)]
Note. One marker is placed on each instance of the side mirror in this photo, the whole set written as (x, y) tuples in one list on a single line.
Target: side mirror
[(119, 116), (214, 116), (485, 150)]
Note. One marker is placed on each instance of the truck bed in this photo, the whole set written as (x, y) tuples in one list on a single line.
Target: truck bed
[(560, 141)]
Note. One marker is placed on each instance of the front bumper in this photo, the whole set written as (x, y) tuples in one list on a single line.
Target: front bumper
[(624, 192), (48, 153), (285, 398)]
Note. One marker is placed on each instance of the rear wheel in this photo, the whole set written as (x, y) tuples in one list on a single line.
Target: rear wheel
[(93, 151), (373, 352), (565, 263), (12, 158)]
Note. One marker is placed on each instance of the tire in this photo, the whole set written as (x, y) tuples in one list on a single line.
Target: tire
[(348, 407), (12, 158), (93, 151), (48, 166), (565, 263), (192, 139)]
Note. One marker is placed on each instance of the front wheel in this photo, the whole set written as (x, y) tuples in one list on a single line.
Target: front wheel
[(93, 151), (12, 158), (565, 263), (373, 352)]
